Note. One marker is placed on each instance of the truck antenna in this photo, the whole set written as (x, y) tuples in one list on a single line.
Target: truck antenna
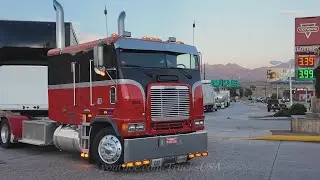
[(194, 26), (105, 15)]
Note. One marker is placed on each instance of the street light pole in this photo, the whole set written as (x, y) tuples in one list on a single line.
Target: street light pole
[(290, 83)]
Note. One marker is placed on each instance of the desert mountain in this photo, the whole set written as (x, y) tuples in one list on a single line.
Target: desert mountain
[(234, 71)]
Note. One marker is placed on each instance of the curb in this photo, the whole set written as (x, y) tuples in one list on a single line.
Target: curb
[(227, 138), (288, 138), (272, 118)]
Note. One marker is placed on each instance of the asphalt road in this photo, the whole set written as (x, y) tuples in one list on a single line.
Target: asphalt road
[(227, 160)]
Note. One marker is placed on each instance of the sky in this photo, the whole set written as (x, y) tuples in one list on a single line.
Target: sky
[(249, 32)]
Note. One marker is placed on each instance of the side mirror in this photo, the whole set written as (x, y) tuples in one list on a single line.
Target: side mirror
[(98, 60), (98, 56)]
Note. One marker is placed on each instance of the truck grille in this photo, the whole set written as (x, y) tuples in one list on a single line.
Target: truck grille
[(169, 103), (167, 125)]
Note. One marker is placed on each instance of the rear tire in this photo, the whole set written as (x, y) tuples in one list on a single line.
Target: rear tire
[(107, 150), (5, 134)]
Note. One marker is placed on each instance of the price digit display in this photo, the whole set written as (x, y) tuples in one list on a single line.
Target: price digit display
[(305, 74), (306, 61)]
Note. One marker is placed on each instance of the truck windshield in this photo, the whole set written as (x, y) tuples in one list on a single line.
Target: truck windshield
[(155, 59)]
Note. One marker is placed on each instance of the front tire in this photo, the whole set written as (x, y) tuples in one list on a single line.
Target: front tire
[(107, 150), (5, 134)]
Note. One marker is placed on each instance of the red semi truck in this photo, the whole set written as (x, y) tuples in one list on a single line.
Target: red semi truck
[(118, 101)]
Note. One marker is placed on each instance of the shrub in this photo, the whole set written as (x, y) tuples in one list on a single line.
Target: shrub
[(284, 112), (298, 109)]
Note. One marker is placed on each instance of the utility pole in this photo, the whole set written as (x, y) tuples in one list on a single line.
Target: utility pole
[(265, 91), (290, 82), (105, 15)]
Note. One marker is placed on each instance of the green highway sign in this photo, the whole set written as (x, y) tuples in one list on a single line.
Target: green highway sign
[(216, 83), (224, 83)]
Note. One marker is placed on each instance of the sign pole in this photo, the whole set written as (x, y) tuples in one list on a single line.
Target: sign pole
[(290, 83)]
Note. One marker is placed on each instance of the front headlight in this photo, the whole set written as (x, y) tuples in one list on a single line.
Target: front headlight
[(199, 122), (136, 127)]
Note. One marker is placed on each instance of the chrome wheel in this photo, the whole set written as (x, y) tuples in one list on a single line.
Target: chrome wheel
[(4, 133), (110, 149)]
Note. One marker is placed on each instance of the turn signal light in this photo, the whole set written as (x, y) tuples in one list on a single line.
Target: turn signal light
[(84, 155), (204, 154), (146, 162), (136, 163), (129, 164), (198, 155)]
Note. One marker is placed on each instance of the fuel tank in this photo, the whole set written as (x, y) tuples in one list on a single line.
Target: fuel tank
[(66, 138)]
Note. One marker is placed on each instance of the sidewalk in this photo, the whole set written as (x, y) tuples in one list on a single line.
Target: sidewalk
[(266, 135)]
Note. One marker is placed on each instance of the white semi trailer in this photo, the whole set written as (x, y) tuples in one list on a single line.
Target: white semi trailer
[(208, 98), (226, 94)]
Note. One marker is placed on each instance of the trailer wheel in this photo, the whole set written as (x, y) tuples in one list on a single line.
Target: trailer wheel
[(107, 150), (5, 134)]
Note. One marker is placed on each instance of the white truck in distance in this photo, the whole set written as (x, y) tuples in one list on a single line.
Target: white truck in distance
[(221, 101), (209, 104), (226, 93)]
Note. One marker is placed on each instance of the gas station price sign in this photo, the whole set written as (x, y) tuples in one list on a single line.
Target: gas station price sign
[(306, 61), (304, 67), (305, 74)]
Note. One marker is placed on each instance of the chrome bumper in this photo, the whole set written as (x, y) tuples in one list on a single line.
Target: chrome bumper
[(161, 150)]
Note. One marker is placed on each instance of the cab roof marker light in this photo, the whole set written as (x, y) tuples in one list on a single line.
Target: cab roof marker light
[(114, 35)]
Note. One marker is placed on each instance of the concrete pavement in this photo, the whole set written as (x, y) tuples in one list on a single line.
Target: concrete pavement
[(227, 160), (238, 125)]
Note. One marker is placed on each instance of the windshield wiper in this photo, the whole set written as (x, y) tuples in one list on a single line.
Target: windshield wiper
[(140, 69), (189, 76)]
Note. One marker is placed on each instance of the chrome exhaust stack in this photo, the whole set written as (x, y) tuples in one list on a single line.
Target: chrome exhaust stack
[(60, 29), (121, 25)]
